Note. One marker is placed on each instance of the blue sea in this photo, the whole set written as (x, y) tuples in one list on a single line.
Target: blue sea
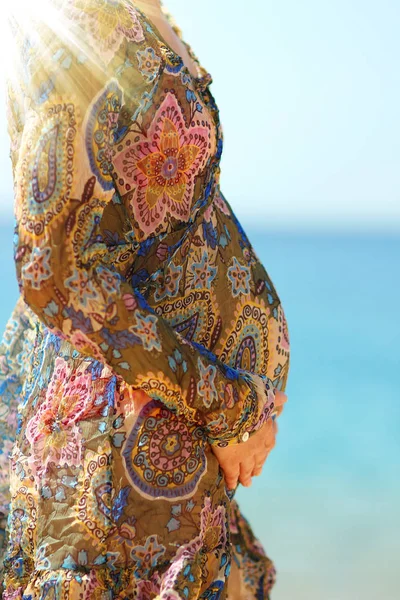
[(327, 504)]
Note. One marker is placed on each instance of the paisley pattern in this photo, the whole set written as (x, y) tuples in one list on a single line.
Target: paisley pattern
[(164, 456), (134, 274), (192, 316), (48, 167), (99, 133), (246, 346)]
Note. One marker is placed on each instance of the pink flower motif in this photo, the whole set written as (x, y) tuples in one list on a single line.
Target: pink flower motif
[(159, 169), (212, 535), (212, 525), (53, 431)]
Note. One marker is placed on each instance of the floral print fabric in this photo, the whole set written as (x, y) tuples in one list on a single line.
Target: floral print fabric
[(134, 274)]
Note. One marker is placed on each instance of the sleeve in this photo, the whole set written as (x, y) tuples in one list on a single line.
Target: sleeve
[(78, 88), (15, 349)]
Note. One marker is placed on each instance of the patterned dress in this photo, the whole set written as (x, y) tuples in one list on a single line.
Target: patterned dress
[(134, 274)]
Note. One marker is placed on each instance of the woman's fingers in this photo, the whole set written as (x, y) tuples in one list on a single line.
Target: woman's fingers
[(246, 471), (271, 429), (257, 471), (260, 459), (231, 474), (241, 462)]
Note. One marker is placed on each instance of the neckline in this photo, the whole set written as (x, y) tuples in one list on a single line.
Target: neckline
[(204, 77)]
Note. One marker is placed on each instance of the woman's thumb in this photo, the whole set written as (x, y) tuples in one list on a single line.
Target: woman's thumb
[(280, 398)]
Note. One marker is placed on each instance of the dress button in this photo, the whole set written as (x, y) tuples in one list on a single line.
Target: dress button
[(245, 436)]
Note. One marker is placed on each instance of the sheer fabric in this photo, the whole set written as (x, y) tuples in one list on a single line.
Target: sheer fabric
[(134, 273)]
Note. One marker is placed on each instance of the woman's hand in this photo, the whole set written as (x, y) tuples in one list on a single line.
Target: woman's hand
[(241, 462)]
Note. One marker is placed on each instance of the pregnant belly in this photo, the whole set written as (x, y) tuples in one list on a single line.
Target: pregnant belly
[(257, 341), (248, 332)]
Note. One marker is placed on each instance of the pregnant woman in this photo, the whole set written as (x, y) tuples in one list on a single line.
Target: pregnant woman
[(147, 357)]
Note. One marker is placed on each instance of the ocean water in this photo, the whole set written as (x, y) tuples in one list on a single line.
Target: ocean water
[(326, 507)]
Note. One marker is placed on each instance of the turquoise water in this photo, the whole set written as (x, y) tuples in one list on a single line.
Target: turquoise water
[(326, 505)]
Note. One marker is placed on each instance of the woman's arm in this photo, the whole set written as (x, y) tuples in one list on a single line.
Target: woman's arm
[(76, 91)]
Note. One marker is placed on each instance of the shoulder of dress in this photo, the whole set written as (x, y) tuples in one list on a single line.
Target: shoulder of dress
[(72, 40), (96, 29)]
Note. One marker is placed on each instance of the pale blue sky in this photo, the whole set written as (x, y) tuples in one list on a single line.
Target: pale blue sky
[(309, 96)]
